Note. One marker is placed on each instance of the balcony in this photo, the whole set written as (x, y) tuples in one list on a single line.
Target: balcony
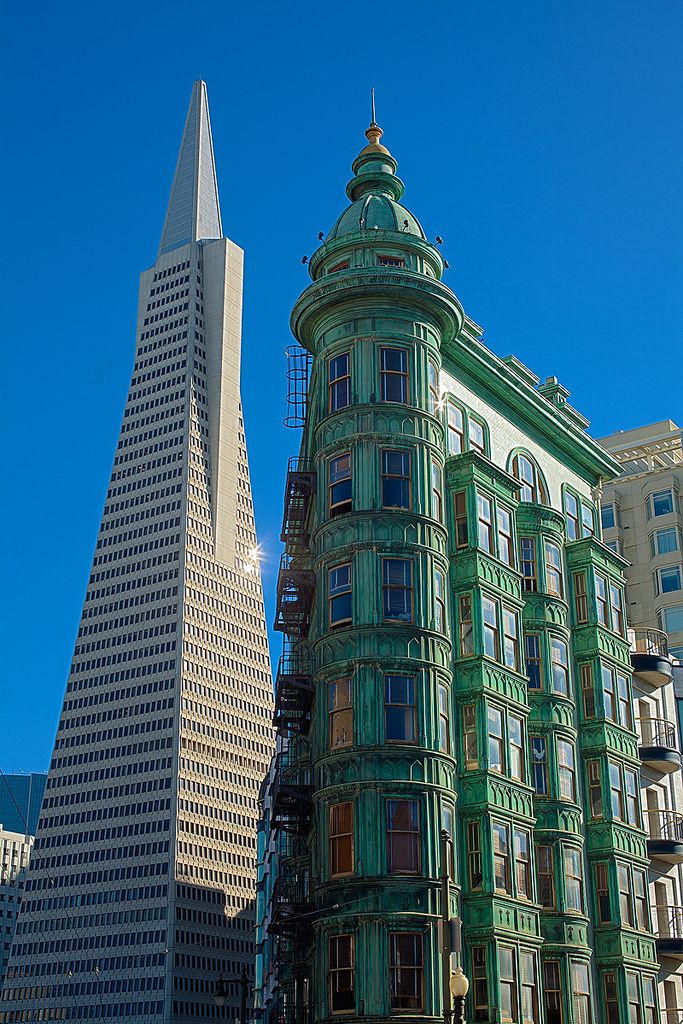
[(658, 745), (291, 905), (650, 655), (294, 692), (665, 841), (299, 491), (295, 589), (670, 932), (292, 791)]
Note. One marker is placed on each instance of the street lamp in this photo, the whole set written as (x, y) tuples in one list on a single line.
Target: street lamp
[(222, 991), (459, 985)]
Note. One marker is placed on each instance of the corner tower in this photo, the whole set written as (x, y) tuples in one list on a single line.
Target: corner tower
[(141, 885), (440, 525)]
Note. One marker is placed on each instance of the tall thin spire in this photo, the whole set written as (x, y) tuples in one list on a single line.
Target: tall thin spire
[(193, 210), (373, 119)]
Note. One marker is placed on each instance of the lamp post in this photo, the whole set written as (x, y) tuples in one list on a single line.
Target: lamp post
[(223, 991), (459, 986)]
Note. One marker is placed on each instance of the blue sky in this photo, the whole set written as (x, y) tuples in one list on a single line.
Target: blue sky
[(541, 139)]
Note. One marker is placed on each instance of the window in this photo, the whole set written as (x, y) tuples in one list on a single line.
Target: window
[(510, 639), (341, 714), (539, 765), (477, 436), (470, 738), (668, 579), (571, 511), (491, 629), (553, 570), (344, 265), (601, 599), (399, 709), (552, 991), (485, 523), (616, 796), (439, 601), (522, 864), (664, 541), (527, 558), (587, 520), (342, 975), (573, 880), (567, 770), (456, 429), (625, 895), (580, 598), (496, 750), (474, 868), (504, 520), (581, 993), (339, 485), (501, 858), (340, 594), (558, 649), (649, 1000), (397, 589), (444, 720), (533, 488), (640, 899), (466, 625), (516, 734), (611, 998), (616, 601), (341, 839), (394, 375), (437, 491), (480, 994), (448, 826), (608, 516), (631, 792), (587, 691), (602, 892), (461, 531), (433, 388), (527, 975), (624, 702), (672, 619), (339, 387), (391, 261), (661, 503), (406, 971), (609, 694), (545, 862), (396, 482), (594, 789), (508, 983), (534, 661), (403, 836)]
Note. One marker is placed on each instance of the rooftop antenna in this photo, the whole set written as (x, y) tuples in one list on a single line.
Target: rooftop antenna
[(372, 100)]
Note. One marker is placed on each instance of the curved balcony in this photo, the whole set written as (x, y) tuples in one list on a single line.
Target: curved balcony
[(670, 932), (665, 841), (650, 655), (658, 745)]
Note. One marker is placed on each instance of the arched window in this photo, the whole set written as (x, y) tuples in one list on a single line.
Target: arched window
[(529, 475)]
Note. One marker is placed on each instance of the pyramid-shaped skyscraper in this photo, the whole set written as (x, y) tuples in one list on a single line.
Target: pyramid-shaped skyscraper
[(140, 891)]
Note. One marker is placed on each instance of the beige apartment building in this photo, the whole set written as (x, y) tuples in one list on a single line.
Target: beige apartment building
[(642, 519), (15, 850)]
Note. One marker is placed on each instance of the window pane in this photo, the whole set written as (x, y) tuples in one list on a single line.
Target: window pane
[(342, 974), (607, 516), (662, 503), (399, 697), (397, 589), (395, 478), (341, 714), (403, 851), (406, 970), (666, 541)]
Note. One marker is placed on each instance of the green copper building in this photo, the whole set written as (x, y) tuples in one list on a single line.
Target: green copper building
[(457, 783)]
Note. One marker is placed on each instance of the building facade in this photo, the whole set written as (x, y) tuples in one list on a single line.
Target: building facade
[(140, 891), (15, 850), (642, 520), (455, 694), (21, 797)]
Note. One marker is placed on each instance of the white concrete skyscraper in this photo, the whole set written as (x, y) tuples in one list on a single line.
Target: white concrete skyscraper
[(139, 893)]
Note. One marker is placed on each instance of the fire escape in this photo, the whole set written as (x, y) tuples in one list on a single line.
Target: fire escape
[(292, 789)]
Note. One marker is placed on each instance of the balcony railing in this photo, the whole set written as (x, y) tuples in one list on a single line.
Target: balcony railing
[(665, 825), (645, 640), (669, 922), (657, 732)]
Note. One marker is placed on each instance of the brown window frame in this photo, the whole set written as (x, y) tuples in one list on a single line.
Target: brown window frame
[(412, 834), (336, 838), (334, 971), (334, 382), (416, 969), (336, 711)]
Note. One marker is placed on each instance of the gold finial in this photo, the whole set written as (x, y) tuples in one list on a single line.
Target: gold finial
[(374, 133)]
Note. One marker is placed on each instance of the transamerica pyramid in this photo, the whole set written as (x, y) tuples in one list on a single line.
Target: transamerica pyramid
[(140, 891)]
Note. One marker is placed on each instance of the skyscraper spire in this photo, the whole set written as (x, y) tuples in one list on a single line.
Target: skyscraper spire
[(193, 210)]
